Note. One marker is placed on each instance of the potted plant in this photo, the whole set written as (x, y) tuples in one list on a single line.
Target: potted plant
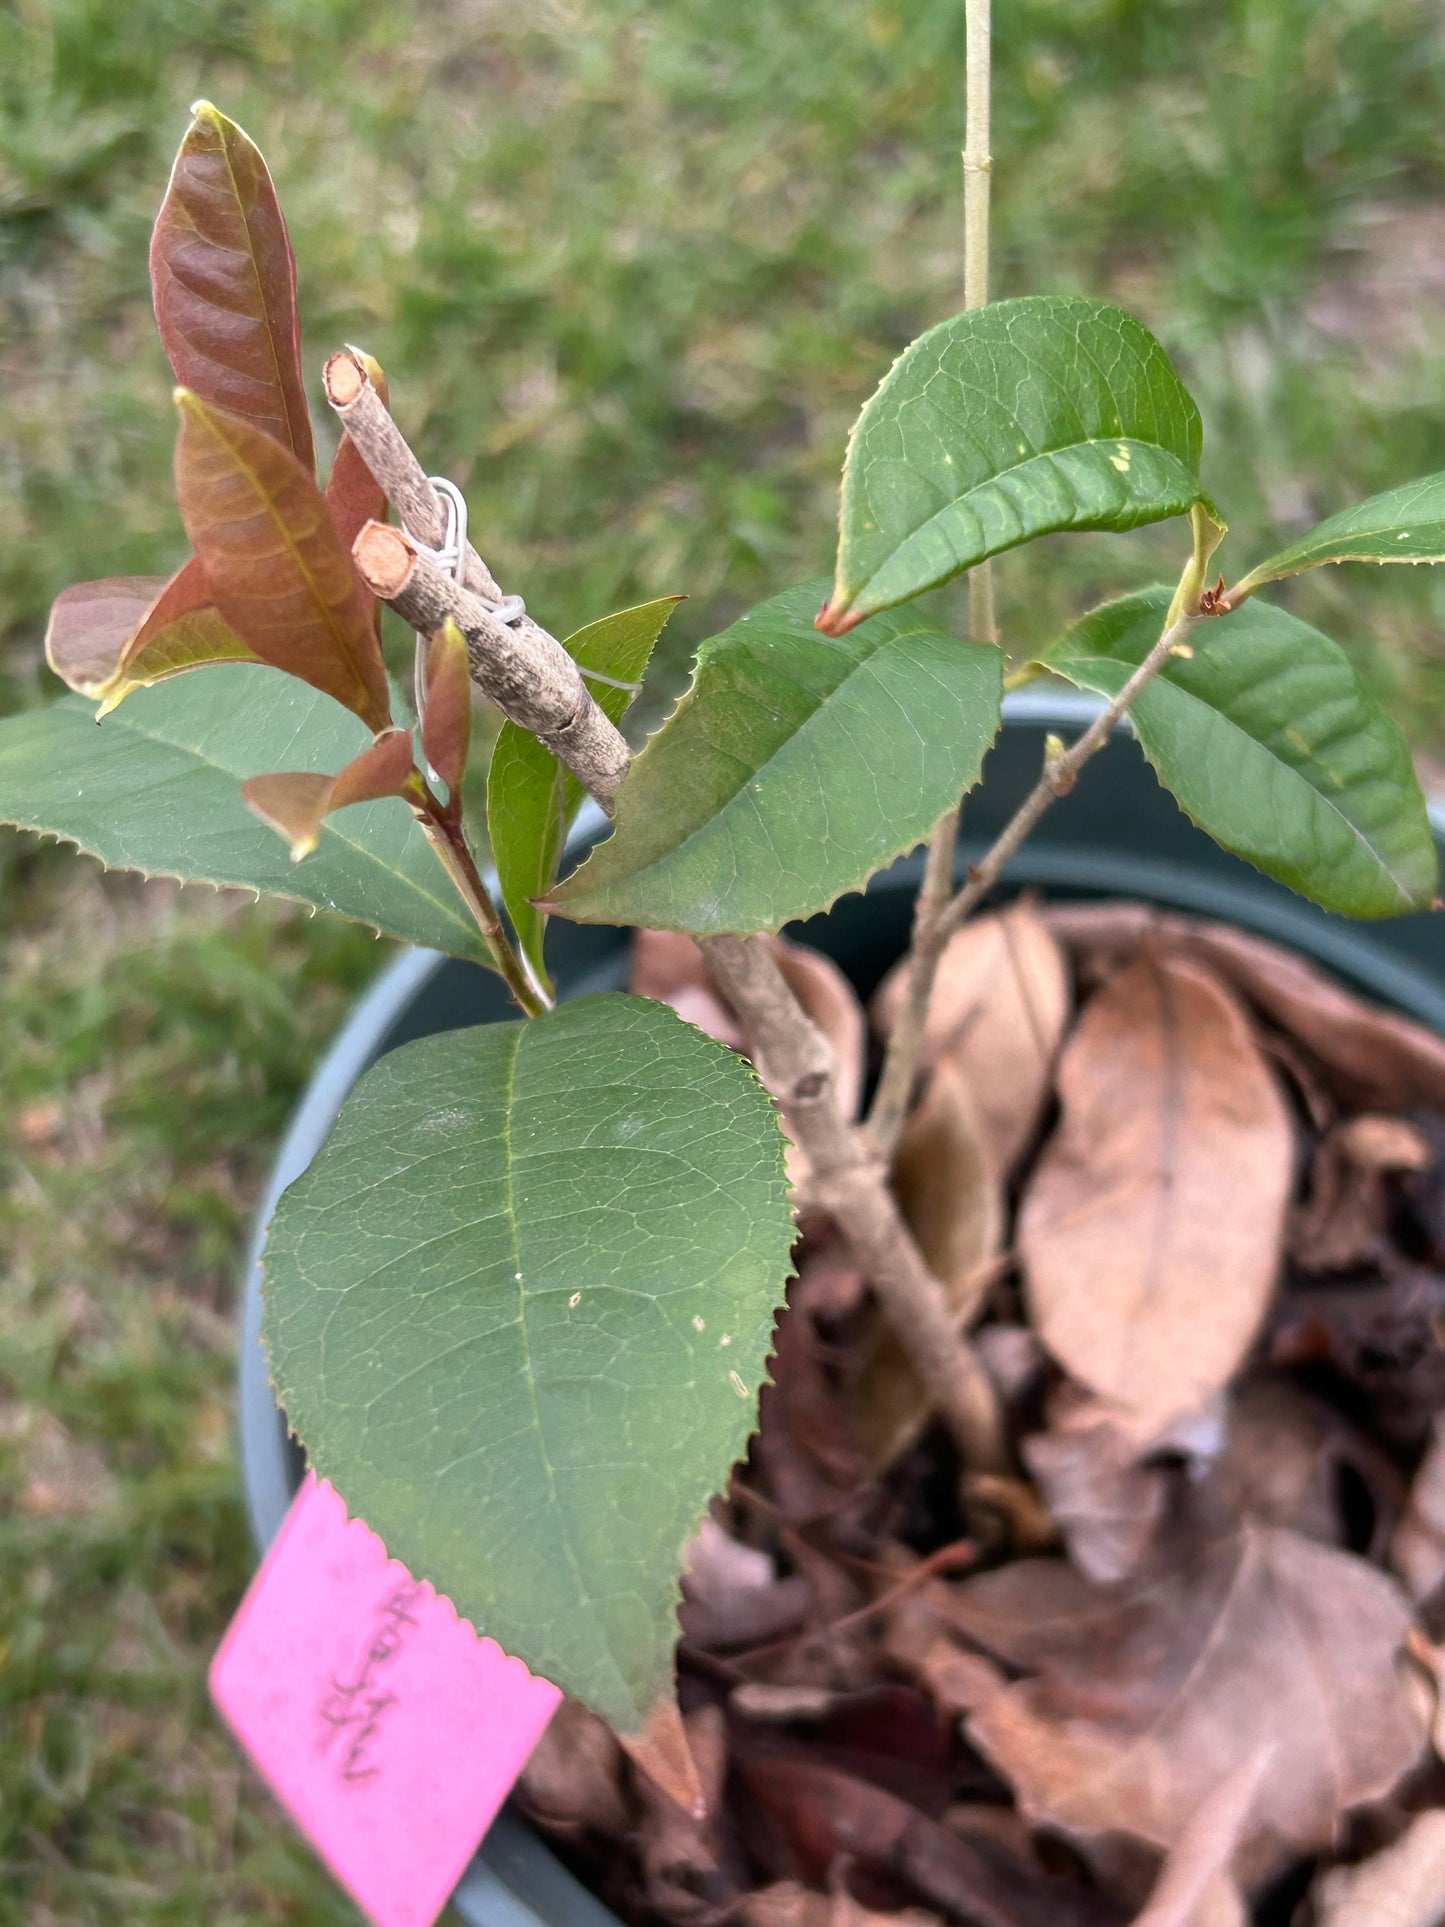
[(546, 1253)]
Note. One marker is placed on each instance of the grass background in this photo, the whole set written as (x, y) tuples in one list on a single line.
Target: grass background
[(632, 269)]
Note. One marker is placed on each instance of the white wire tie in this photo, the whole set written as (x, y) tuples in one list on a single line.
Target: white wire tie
[(450, 555)]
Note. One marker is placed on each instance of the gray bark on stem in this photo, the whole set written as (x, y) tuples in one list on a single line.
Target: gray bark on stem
[(529, 676), (403, 480), (850, 1182), (895, 1083), (535, 682)]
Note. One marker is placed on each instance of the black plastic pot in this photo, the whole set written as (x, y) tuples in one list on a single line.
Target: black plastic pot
[(1117, 834)]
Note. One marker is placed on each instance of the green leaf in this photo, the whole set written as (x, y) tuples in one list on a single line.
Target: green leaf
[(224, 282), (1405, 524), (157, 788), (519, 1309), (1272, 744), (1051, 412), (531, 798), (795, 766)]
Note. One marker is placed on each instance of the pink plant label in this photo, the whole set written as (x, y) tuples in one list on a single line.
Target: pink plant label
[(386, 1727)]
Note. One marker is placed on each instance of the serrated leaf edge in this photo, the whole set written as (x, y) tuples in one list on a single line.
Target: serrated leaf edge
[(1408, 902), (765, 1376), (563, 907)]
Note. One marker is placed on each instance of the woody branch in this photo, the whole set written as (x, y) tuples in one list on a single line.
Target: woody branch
[(794, 1058)]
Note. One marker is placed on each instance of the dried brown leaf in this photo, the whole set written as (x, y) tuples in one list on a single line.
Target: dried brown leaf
[(1221, 1905), (1430, 1660), (919, 1638), (1145, 1696), (1344, 1217), (1375, 1058), (1105, 1502), (817, 1821), (681, 1851), (788, 1903), (1150, 1233), (1417, 1550), (733, 1595), (572, 1784), (1385, 1340), (948, 1187), (806, 1447), (829, 1285), (1404, 1886), (781, 1705), (1000, 1003), (1193, 1886), (1288, 1459), (659, 1749)]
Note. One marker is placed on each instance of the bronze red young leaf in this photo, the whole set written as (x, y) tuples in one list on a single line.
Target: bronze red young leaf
[(297, 802), (92, 622), (107, 638), (224, 283), (446, 729), (277, 570)]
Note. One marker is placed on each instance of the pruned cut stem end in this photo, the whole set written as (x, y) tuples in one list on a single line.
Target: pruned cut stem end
[(344, 378), (385, 559)]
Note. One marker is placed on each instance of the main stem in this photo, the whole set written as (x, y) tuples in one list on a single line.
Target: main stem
[(850, 1182), (895, 1089), (797, 1062)]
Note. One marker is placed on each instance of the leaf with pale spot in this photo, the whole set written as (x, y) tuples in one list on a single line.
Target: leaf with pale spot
[(1272, 744), (519, 1310), (1050, 412), (1405, 524)]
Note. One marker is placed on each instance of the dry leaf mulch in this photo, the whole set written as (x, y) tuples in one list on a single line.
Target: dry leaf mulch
[(1182, 1669)]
